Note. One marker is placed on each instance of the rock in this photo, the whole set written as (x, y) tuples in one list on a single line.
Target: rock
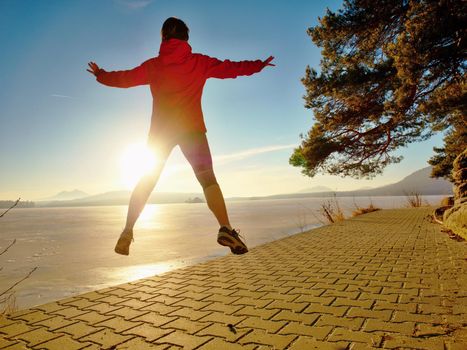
[(455, 218), (447, 201)]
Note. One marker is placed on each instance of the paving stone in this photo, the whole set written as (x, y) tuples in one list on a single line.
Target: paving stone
[(161, 308), (61, 343), (139, 344), (184, 340), (92, 317), (359, 312), (135, 303), (49, 307), (364, 304), (228, 309), (287, 315), (324, 309), (252, 302), (92, 296), (354, 323), (37, 336), (149, 332), (307, 330), (118, 324), (6, 321), (103, 308), (222, 318), (384, 305), (258, 323), (154, 318), (81, 303), (257, 312), (190, 313), (15, 328), (186, 325), (128, 313), (193, 304), (33, 316), (285, 305), (279, 296), (69, 312), (106, 338), (5, 342), (308, 343), (401, 316), (55, 322), (262, 337), (165, 299), (78, 330), (377, 325), (18, 346), (112, 299), (219, 344), (398, 342), (229, 333), (343, 334), (169, 292)]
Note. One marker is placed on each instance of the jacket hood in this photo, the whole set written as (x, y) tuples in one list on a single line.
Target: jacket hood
[(174, 51)]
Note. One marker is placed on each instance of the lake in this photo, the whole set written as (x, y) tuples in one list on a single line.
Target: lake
[(73, 247)]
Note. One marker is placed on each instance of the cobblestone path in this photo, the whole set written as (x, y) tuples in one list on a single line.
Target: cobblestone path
[(390, 279)]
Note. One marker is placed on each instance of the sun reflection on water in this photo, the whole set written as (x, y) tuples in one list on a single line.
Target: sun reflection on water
[(149, 216), (135, 272)]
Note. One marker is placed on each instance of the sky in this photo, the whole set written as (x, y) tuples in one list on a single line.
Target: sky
[(61, 130)]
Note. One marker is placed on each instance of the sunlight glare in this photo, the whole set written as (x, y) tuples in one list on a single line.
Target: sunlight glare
[(137, 272), (136, 161)]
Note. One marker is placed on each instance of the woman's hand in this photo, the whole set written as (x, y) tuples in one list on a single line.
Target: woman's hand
[(94, 68), (268, 60)]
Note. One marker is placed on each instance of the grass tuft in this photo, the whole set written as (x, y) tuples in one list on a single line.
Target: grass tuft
[(331, 211), (361, 210)]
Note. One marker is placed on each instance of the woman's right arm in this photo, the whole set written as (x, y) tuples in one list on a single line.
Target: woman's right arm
[(123, 78)]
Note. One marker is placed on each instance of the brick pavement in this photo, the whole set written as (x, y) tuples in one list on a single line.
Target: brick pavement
[(389, 279)]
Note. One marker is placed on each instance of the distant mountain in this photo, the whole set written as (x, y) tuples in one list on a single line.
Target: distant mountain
[(417, 182), (118, 198), (316, 189), (67, 195), (365, 188)]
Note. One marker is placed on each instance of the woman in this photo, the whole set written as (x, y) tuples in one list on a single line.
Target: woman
[(176, 78)]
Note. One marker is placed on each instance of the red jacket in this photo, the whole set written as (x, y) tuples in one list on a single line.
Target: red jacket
[(177, 77)]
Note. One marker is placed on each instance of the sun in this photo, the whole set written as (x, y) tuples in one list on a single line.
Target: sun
[(136, 161)]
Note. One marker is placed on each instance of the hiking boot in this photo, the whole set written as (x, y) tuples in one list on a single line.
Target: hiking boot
[(123, 245), (231, 239)]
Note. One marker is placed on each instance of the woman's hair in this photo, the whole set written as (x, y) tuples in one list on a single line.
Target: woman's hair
[(174, 28)]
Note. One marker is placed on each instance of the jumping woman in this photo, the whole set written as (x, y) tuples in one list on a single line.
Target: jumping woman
[(176, 78)]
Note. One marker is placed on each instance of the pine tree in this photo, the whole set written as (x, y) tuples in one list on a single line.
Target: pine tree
[(392, 72)]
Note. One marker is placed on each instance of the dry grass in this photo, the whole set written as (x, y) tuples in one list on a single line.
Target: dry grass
[(7, 295), (8, 304), (361, 210), (414, 199), (331, 211)]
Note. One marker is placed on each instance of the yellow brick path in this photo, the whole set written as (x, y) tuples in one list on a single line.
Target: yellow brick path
[(389, 279)]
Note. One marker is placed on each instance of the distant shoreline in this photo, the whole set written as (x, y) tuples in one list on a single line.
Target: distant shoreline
[(124, 202)]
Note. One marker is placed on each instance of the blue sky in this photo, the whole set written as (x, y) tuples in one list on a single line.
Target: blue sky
[(61, 130)]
